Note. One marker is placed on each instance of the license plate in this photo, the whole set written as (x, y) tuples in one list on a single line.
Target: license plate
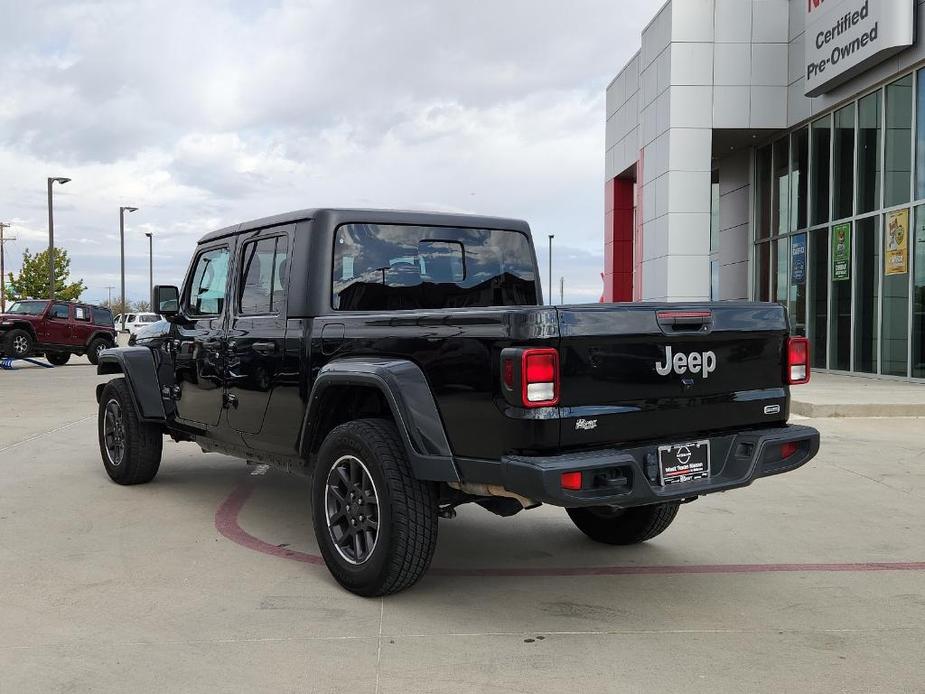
[(684, 462)]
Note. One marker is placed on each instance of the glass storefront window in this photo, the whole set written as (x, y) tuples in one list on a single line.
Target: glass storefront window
[(869, 153), (866, 292), (895, 320), (763, 278), (818, 295), (918, 294), (780, 207), (822, 141), (782, 276), (799, 170), (920, 137), (798, 269), (898, 166), (840, 323), (843, 164), (763, 192)]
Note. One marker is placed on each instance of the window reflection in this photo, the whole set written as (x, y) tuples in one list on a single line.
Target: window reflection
[(392, 267)]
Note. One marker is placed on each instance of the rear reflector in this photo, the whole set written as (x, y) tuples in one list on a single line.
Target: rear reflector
[(788, 449), (571, 480), (797, 361)]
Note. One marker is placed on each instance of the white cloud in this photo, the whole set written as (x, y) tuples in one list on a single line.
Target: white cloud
[(211, 112)]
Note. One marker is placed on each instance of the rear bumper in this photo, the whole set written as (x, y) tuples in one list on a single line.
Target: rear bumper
[(627, 477)]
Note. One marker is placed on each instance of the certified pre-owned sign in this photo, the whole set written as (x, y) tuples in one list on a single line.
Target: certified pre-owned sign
[(845, 37)]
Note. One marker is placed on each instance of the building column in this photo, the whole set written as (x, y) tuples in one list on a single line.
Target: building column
[(618, 240)]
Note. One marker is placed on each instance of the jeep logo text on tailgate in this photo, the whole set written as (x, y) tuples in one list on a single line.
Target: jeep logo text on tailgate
[(695, 362)]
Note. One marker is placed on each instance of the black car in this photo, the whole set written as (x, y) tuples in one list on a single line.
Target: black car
[(406, 362)]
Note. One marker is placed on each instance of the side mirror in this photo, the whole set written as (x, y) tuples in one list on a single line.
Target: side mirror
[(167, 300)]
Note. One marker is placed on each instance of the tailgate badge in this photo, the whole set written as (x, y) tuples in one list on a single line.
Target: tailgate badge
[(703, 363), (585, 424)]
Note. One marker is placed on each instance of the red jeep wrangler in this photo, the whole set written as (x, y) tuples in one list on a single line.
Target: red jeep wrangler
[(56, 329)]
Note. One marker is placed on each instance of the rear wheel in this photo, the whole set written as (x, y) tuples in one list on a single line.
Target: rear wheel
[(18, 344), (130, 448), (376, 525), (93, 351), (58, 358), (624, 526)]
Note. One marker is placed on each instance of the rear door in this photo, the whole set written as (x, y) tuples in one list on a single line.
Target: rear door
[(257, 332), (81, 326), (661, 373), (200, 350)]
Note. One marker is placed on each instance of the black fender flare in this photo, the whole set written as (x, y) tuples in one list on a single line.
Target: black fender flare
[(411, 401), (140, 371)]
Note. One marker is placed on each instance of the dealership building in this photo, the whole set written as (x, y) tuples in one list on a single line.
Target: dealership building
[(775, 151)]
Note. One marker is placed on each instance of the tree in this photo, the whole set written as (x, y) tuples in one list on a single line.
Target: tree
[(32, 281), (142, 306)]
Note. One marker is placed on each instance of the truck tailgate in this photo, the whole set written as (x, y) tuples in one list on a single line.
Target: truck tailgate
[(653, 372)]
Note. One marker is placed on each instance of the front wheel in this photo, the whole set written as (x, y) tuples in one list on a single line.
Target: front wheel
[(376, 525), (18, 344), (628, 526), (131, 449)]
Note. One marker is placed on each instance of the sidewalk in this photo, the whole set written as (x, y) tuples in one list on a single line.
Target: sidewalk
[(831, 395)]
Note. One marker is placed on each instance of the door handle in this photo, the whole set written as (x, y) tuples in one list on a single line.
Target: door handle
[(264, 347)]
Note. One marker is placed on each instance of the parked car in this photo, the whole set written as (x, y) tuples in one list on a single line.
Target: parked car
[(136, 321), (56, 329), (407, 364)]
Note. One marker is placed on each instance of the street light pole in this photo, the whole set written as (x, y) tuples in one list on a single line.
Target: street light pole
[(122, 211), (551, 237), (109, 289), (3, 240), (151, 268), (51, 236)]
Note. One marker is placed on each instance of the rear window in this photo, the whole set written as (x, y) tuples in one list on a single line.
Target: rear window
[(386, 267), (102, 316), (148, 318)]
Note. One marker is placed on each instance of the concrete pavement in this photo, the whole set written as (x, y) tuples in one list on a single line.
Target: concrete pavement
[(105, 588)]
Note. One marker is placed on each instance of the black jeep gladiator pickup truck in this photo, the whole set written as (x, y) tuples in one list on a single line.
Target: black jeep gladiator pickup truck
[(406, 362)]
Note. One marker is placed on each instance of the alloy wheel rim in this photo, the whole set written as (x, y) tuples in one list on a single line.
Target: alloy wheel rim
[(352, 509), (114, 433), (20, 344)]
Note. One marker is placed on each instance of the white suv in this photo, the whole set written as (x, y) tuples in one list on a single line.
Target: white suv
[(135, 321)]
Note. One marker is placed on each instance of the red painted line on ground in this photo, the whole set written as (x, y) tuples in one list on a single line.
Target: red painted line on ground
[(226, 522)]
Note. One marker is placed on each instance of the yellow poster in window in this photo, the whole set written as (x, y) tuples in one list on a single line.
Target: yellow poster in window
[(896, 257)]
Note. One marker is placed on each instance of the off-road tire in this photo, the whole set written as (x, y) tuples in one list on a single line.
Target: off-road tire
[(58, 358), (624, 526), (18, 344), (407, 510), (143, 442), (96, 346)]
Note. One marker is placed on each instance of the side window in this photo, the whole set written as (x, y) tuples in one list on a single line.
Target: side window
[(81, 313), (264, 271), (207, 287), (102, 316), (59, 311)]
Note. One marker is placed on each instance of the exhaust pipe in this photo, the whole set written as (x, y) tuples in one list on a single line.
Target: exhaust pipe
[(479, 489)]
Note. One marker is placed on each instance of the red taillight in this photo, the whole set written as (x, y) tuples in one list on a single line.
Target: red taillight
[(788, 449), (540, 377), (571, 480), (797, 361)]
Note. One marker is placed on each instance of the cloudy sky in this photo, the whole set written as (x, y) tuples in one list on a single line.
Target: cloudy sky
[(211, 112)]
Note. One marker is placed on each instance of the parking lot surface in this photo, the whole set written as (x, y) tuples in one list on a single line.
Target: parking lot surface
[(208, 579)]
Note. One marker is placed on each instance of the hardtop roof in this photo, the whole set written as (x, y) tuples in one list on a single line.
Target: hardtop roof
[(373, 216)]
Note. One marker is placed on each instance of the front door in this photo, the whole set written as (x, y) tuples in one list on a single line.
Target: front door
[(200, 336), (257, 333), (57, 325)]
